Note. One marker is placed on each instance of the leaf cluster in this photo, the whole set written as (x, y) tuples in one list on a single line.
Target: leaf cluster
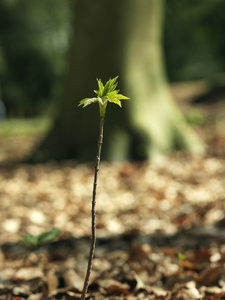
[(109, 91), (45, 237), (105, 93)]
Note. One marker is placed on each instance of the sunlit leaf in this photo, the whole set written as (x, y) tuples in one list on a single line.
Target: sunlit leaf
[(107, 93), (115, 101), (87, 101), (121, 97), (110, 86), (100, 88), (115, 98)]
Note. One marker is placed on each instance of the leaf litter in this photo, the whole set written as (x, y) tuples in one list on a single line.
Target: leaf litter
[(146, 215), (160, 227)]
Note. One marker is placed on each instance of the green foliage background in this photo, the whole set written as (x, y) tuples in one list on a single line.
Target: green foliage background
[(193, 39), (34, 41), (33, 44)]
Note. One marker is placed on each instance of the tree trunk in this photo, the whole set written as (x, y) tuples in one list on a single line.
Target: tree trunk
[(118, 37)]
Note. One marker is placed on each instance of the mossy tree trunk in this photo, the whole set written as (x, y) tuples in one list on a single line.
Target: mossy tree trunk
[(118, 37)]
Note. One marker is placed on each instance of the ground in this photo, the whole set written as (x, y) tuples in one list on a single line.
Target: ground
[(160, 227)]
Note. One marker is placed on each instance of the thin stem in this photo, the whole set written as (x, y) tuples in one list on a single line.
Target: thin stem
[(93, 237)]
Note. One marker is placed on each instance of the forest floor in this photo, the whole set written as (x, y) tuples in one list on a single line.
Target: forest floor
[(160, 227)]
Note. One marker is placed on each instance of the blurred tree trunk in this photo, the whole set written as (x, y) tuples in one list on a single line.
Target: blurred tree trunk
[(118, 37)]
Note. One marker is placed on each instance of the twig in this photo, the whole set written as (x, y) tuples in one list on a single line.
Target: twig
[(93, 237)]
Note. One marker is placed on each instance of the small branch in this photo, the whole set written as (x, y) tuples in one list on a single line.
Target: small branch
[(93, 237)]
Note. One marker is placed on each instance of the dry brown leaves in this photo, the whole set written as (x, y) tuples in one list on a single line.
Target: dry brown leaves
[(146, 215)]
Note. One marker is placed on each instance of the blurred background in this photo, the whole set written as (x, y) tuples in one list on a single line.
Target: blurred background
[(169, 56), (34, 43)]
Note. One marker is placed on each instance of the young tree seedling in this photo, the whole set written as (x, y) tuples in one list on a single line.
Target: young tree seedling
[(32, 242), (105, 93)]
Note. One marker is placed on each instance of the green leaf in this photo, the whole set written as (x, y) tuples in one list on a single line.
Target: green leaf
[(48, 236), (30, 240), (100, 88), (116, 101), (121, 97), (87, 101), (113, 83), (110, 86), (115, 98), (35, 240), (181, 257)]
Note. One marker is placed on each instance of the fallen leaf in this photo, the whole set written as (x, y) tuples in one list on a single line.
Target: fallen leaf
[(210, 275)]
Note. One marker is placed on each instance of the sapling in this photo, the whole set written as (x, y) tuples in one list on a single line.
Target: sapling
[(105, 93)]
